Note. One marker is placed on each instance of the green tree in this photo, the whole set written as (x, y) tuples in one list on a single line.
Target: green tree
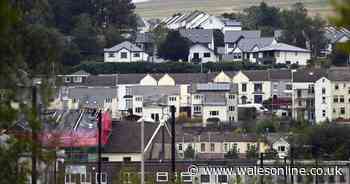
[(252, 152), (189, 153), (218, 38), (85, 35), (267, 126), (232, 154), (175, 47), (341, 18), (120, 14)]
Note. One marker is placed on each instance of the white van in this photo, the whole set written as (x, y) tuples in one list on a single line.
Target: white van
[(258, 107)]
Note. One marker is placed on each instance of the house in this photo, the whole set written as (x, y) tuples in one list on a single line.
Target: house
[(145, 41), (201, 54), (281, 91), (279, 143), (303, 97), (142, 25), (153, 102), (332, 96), (199, 36), (220, 23), (281, 53), (335, 36), (254, 86), (187, 20), (247, 49), (231, 38), (209, 145), (214, 102), (125, 52)]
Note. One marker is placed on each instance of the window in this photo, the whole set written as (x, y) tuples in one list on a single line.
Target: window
[(231, 97), (162, 176), (231, 118), (179, 147), (258, 87), (335, 99), (136, 54), (336, 87), (281, 148), (214, 113), (172, 98), (205, 178), (331, 179), (138, 110), (323, 99), (197, 109), (289, 87), (207, 54), (74, 100), (225, 147), (342, 179), (341, 99), (231, 108), (244, 87), (111, 54), (275, 86), (323, 90), (222, 178), (77, 79), (237, 55), (138, 98), (296, 53), (197, 97), (342, 110), (212, 147), (186, 177), (103, 177), (277, 54), (85, 178), (203, 147), (67, 79), (324, 113), (155, 117), (126, 159), (123, 55), (108, 100)]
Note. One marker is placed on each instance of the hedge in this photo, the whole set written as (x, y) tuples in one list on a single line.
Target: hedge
[(168, 67)]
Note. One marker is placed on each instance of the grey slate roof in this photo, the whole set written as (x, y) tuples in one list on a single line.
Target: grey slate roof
[(214, 87), (155, 90), (215, 99), (308, 75), (96, 80), (234, 36), (333, 34), (130, 78), (80, 73), (283, 47), (257, 75), (198, 35), (280, 74), (144, 37), (124, 45), (191, 78), (339, 74), (226, 136), (247, 44), (94, 96)]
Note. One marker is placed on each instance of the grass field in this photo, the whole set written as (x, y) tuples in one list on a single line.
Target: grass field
[(164, 8)]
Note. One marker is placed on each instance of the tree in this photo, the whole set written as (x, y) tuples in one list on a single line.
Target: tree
[(175, 47), (85, 35), (341, 18), (120, 13), (189, 153), (232, 154), (218, 38), (267, 126), (252, 152)]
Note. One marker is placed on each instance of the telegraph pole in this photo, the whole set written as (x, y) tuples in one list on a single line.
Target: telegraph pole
[(34, 135), (99, 116), (173, 154), (262, 166)]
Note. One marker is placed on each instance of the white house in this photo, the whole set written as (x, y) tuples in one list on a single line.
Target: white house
[(223, 24), (202, 54), (323, 100), (286, 54), (125, 52)]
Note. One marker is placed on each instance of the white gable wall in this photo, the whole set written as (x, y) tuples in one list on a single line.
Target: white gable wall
[(116, 56), (299, 58), (201, 50)]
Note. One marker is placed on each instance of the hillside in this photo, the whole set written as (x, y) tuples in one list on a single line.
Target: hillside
[(164, 8)]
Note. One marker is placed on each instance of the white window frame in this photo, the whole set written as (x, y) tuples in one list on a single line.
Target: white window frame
[(186, 174), (106, 177), (162, 174), (87, 175)]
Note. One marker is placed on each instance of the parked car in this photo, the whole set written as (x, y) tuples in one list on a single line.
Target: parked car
[(258, 107)]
